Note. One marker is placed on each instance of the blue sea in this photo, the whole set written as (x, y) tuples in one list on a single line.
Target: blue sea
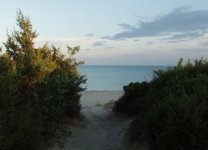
[(113, 78)]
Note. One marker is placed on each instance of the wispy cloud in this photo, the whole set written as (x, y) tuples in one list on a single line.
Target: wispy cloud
[(106, 37), (148, 43), (184, 36), (89, 34), (136, 40), (109, 47), (204, 44), (181, 23), (99, 43), (194, 51)]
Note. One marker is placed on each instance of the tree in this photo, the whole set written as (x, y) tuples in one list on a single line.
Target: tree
[(38, 86)]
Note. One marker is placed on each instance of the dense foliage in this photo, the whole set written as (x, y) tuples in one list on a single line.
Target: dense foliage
[(134, 99), (172, 110), (37, 87)]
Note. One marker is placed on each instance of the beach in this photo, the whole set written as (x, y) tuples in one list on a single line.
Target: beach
[(100, 129)]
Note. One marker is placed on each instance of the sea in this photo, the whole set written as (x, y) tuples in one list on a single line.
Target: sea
[(113, 78)]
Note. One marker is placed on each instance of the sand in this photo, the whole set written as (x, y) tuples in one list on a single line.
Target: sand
[(101, 130)]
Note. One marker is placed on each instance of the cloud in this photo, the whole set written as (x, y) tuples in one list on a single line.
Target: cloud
[(136, 40), (183, 20), (204, 44), (148, 43), (184, 36), (194, 51), (109, 47), (99, 43), (126, 26), (106, 37), (89, 34)]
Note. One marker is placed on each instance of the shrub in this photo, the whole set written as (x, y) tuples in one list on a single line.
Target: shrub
[(176, 109), (38, 86), (134, 99), (178, 123)]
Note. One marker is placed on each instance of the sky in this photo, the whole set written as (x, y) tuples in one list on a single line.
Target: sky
[(113, 32)]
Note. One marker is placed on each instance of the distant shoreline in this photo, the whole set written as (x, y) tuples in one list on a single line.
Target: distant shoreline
[(126, 65), (103, 91)]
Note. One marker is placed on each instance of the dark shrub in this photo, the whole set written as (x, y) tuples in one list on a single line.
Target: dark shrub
[(134, 99), (176, 109)]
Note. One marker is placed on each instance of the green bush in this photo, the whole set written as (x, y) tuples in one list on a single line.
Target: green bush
[(176, 109), (38, 87), (134, 99)]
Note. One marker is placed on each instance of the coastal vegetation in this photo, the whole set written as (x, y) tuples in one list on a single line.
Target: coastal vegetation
[(38, 86), (171, 111)]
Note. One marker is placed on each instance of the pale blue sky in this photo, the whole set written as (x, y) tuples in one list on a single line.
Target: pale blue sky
[(129, 32)]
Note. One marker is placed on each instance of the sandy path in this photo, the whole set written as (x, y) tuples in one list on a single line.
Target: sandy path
[(102, 131)]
